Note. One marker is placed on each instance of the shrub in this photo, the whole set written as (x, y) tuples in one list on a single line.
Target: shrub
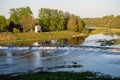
[(16, 30)]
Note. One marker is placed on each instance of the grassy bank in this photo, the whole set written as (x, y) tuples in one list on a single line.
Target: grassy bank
[(59, 76), (32, 37), (109, 31)]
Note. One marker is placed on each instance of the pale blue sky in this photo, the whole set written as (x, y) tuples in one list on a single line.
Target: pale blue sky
[(83, 8)]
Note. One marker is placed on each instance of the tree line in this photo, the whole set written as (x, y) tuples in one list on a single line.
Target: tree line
[(22, 20), (110, 21)]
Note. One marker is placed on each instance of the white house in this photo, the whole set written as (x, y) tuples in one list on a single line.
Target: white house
[(37, 28)]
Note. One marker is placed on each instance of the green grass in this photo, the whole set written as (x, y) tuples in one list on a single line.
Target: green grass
[(98, 30), (109, 31), (113, 31), (59, 76), (34, 37)]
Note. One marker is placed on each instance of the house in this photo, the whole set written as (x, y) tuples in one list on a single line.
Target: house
[(37, 28)]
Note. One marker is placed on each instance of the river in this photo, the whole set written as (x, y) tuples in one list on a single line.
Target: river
[(95, 53)]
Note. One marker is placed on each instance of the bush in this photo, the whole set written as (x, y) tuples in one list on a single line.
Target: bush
[(86, 31), (16, 30)]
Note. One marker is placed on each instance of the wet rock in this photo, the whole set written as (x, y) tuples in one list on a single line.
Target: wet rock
[(74, 62)]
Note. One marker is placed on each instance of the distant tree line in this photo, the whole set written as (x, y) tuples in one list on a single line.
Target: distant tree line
[(110, 21), (22, 20)]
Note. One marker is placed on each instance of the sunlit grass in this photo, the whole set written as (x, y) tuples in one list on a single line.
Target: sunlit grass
[(98, 30), (40, 37), (110, 31), (44, 36), (113, 31)]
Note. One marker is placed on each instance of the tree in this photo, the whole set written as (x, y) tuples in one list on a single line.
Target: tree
[(32, 22), (109, 21), (72, 23), (44, 16), (24, 24), (3, 25), (75, 23), (22, 18), (66, 18), (51, 19), (14, 16), (80, 24), (28, 23)]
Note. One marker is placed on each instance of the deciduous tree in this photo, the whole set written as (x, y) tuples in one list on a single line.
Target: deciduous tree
[(3, 25), (51, 19), (22, 18)]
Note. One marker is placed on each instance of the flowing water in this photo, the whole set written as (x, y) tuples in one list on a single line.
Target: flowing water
[(96, 53)]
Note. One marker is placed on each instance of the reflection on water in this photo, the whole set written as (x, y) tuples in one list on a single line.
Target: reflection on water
[(37, 59), (9, 60), (61, 42)]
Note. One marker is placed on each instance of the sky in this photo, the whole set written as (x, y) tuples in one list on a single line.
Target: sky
[(82, 8)]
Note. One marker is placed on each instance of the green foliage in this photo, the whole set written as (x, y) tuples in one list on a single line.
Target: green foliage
[(107, 21), (22, 18), (3, 25), (80, 24), (66, 18), (59, 76), (48, 19), (51, 19), (86, 31), (17, 13), (28, 23), (14, 16), (75, 23), (72, 26), (15, 30)]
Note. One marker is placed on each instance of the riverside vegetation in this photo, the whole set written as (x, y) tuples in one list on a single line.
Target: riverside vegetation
[(58, 76), (29, 37), (55, 24)]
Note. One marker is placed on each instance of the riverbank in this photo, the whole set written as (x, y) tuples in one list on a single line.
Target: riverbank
[(58, 76), (109, 31), (41, 37)]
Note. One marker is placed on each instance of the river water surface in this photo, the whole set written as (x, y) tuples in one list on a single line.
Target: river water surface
[(96, 53)]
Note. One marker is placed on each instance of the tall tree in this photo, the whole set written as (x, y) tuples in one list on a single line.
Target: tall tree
[(66, 18), (51, 19), (22, 18), (14, 16), (28, 23), (72, 23), (75, 23), (32, 22), (80, 24), (3, 25), (43, 19)]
